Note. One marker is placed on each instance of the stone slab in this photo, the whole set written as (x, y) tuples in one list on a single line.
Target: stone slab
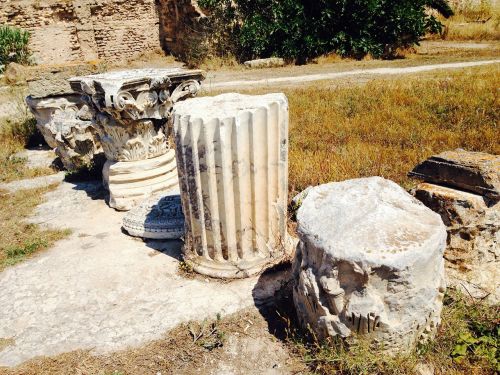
[(476, 172), (102, 290)]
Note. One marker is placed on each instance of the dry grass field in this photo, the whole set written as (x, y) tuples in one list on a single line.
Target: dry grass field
[(387, 126), (473, 20)]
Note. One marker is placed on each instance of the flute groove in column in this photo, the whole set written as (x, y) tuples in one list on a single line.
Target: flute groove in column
[(232, 155)]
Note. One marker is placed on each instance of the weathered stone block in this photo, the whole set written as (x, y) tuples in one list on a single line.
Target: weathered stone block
[(473, 246), (369, 261), (65, 123), (232, 155), (271, 62), (476, 172)]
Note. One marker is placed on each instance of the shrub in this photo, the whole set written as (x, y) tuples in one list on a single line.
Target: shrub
[(13, 46), (299, 30)]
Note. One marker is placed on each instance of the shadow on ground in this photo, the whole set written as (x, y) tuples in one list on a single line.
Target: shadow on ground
[(277, 310)]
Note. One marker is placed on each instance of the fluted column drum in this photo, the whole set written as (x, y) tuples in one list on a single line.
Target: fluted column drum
[(232, 159)]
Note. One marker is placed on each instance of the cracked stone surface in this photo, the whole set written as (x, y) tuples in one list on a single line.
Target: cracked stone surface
[(103, 290)]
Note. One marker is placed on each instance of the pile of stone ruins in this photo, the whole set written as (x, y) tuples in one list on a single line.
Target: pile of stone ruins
[(370, 258)]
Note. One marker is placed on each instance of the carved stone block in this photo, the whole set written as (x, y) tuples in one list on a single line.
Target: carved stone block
[(232, 155), (65, 123), (131, 182), (369, 261), (158, 217), (133, 110)]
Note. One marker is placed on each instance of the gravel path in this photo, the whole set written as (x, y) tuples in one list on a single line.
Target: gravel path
[(299, 79)]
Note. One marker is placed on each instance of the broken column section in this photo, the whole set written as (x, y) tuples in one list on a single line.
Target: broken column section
[(232, 155), (369, 262)]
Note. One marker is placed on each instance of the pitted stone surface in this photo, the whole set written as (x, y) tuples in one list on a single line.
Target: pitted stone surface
[(159, 217), (100, 289), (370, 261)]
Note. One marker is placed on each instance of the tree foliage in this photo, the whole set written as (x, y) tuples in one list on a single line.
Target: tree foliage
[(301, 29)]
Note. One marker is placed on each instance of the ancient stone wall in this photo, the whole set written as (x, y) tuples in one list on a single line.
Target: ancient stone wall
[(177, 19), (72, 30)]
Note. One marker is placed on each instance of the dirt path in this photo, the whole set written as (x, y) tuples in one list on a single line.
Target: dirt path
[(365, 73)]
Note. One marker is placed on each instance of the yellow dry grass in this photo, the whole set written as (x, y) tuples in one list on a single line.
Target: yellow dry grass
[(387, 126), (473, 20)]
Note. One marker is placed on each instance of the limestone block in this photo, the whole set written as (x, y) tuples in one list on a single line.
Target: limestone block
[(476, 172), (232, 155), (473, 227), (158, 217), (129, 183), (271, 62), (65, 123), (369, 261)]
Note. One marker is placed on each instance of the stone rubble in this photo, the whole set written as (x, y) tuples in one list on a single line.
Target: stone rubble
[(463, 188), (369, 261)]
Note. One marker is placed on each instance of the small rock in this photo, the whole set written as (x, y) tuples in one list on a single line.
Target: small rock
[(271, 62), (476, 172)]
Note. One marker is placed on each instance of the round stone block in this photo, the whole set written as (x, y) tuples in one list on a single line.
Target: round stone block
[(159, 217), (369, 261)]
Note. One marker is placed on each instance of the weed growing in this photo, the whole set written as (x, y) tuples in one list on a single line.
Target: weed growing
[(466, 343)]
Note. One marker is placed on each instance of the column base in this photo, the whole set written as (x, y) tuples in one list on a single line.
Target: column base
[(131, 182), (241, 268)]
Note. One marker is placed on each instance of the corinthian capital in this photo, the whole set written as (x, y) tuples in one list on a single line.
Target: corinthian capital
[(138, 94)]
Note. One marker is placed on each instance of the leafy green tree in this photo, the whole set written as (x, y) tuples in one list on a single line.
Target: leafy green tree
[(299, 29)]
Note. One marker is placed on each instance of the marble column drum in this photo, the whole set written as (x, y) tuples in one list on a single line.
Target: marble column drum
[(232, 157), (133, 113)]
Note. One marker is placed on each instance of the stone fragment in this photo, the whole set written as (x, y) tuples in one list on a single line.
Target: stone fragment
[(476, 172), (369, 261), (473, 227), (65, 123), (271, 62), (133, 112), (158, 217), (131, 182), (232, 155)]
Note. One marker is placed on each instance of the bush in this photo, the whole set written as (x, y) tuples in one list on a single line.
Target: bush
[(299, 30), (13, 46)]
